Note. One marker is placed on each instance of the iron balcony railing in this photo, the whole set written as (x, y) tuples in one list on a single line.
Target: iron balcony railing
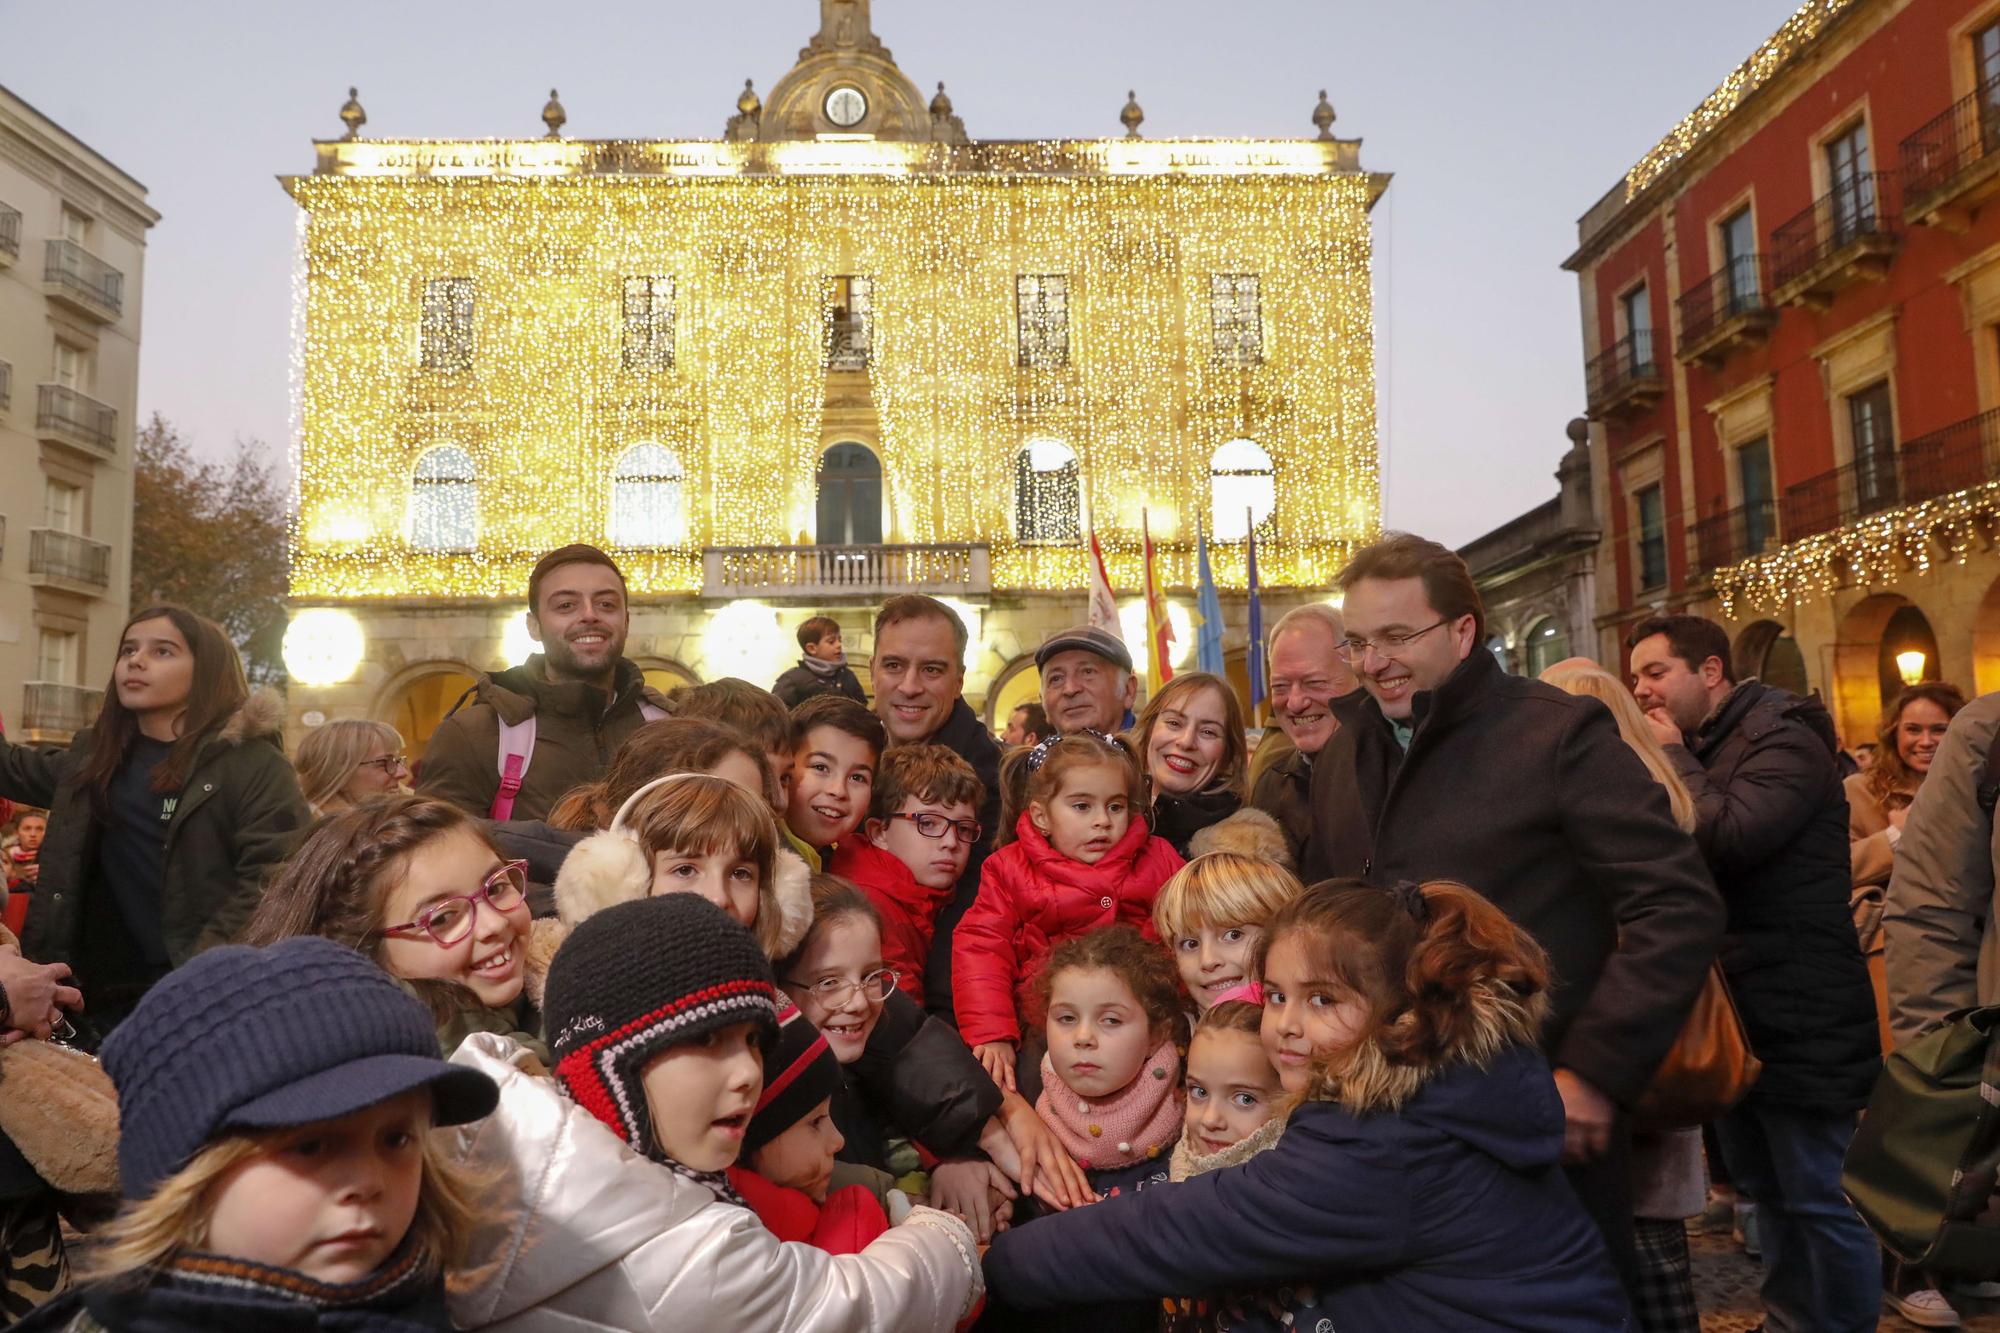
[(1735, 534), (10, 231), (52, 708), (1623, 365), (75, 270), (53, 553), (1964, 454), (840, 571), (1734, 291), (1857, 209), (1965, 134), (77, 418), (6, 385)]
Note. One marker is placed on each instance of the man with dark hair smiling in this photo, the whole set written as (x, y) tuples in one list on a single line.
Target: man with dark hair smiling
[(561, 714), (1445, 767)]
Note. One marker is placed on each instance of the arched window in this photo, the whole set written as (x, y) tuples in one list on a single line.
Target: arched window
[(444, 501), (1047, 498), (1498, 647), (1244, 487), (646, 498), (1547, 643), (849, 487)]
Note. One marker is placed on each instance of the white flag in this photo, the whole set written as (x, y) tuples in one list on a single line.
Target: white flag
[(1103, 609)]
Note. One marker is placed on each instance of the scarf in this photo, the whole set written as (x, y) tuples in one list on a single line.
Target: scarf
[(826, 668), (1136, 1123), (207, 1293), (715, 1182), (1187, 1162)]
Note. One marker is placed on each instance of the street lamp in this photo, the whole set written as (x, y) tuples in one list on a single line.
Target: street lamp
[(1910, 665)]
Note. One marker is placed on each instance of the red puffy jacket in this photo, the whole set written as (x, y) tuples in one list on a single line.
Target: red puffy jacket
[(844, 1224), (908, 909), (1031, 897)]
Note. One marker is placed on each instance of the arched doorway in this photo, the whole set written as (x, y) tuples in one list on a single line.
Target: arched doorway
[(1856, 676), (1546, 643), (1909, 652), (421, 701), (1986, 643), (849, 490), (1767, 650), (1019, 683)]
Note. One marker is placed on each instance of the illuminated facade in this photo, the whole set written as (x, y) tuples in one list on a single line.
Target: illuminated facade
[(839, 352)]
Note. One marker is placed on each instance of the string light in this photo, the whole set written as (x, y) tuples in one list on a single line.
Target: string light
[(548, 231)]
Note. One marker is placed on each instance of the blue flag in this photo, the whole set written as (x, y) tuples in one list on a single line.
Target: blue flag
[(1258, 691), (1208, 609)]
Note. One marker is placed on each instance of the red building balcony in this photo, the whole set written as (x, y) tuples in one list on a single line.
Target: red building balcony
[(1952, 165), (1732, 535), (1625, 377), (1728, 309), (1847, 235)]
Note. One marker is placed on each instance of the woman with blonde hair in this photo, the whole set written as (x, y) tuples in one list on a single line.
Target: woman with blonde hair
[(341, 764), (1667, 1184)]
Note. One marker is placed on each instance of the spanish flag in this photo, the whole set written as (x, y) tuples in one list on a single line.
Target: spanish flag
[(1159, 630)]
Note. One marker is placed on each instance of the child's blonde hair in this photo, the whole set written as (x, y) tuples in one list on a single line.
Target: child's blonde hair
[(1222, 889), (149, 1234), (700, 815)]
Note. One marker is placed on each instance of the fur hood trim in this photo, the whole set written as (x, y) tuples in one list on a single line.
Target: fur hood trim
[(1367, 1080), (1248, 832), (262, 717), (1187, 1162), (610, 868), (790, 896)]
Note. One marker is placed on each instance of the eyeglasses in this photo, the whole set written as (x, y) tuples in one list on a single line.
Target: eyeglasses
[(388, 763), (933, 826), (1353, 649), (833, 991), (450, 922)]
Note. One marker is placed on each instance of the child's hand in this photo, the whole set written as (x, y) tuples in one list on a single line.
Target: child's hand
[(998, 1057), (976, 1191), (1047, 1170)]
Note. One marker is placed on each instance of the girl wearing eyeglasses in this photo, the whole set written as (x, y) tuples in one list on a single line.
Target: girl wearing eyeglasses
[(416, 885), (341, 764)]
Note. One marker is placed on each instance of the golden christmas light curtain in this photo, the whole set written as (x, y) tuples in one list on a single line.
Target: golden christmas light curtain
[(547, 405)]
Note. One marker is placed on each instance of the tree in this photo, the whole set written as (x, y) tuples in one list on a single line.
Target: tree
[(213, 538)]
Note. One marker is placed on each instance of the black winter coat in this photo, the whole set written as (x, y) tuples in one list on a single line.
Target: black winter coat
[(967, 737), (1773, 825), (1530, 796), (1179, 818), (802, 683), (916, 1080), (1284, 792)]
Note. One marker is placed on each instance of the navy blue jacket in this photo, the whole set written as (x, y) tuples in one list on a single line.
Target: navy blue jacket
[(1451, 1214)]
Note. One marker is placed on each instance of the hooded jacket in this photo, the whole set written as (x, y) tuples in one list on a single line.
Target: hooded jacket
[(1772, 821), (908, 909), (1530, 796), (576, 733), (239, 815), (1414, 1199), (1031, 897), (580, 1234)]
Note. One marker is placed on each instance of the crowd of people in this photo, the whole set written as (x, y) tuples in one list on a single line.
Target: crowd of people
[(823, 1008)]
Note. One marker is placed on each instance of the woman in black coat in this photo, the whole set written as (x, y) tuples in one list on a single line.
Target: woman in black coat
[(1191, 746)]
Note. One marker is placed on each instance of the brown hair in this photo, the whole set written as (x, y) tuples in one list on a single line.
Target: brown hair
[(1425, 961), (1448, 585), (1230, 774), (759, 714), (703, 816), (817, 628), (216, 691), (1135, 960), (1020, 787), (916, 606), (833, 899), (669, 745), (1889, 774), (577, 553), (928, 773), (1230, 1016), (843, 715), (1036, 723)]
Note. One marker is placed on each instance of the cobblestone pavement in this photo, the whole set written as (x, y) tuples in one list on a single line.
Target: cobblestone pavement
[(1725, 1283)]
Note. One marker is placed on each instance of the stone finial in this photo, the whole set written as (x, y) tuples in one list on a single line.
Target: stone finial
[(554, 116), (1133, 116), (352, 116), (941, 104), (1323, 118), (747, 102)]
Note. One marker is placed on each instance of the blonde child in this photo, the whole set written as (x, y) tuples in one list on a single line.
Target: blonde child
[(1211, 914), (1234, 1097), (610, 1204), (276, 1158), (905, 1075), (1082, 858), (670, 745), (1404, 1025)]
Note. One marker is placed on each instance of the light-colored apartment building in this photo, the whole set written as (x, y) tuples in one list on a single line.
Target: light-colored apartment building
[(72, 248)]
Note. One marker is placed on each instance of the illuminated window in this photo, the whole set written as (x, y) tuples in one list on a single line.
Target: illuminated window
[(649, 323), (1043, 318), (444, 501), (1236, 317), (646, 498), (1047, 502), (447, 324), (1245, 490), (850, 322)]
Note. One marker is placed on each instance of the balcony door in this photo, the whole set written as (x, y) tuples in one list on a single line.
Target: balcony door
[(1849, 183), (1874, 436), (850, 497), (1739, 257), (1753, 474)]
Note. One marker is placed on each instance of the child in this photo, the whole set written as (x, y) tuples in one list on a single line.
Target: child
[(1233, 1092), (833, 769), (23, 866), (923, 822), (823, 669), (1405, 1025), (276, 1159), (907, 1076), (1210, 915), (759, 715), (671, 745), (415, 885), (1082, 858), (610, 1205)]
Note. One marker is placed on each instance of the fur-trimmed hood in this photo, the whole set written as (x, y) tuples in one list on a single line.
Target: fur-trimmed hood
[(1248, 832), (261, 717), (1367, 1080)]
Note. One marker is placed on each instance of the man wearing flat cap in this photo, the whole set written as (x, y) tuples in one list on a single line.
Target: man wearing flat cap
[(1087, 680)]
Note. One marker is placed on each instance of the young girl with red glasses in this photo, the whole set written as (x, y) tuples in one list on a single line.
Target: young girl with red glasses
[(416, 885)]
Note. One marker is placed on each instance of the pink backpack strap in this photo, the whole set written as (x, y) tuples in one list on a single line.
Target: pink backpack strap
[(652, 712), (517, 747)]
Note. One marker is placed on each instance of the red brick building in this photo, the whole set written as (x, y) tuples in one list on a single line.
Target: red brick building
[(1791, 323)]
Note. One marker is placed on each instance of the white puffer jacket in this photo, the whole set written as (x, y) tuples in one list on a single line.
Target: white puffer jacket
[(577, 1232)]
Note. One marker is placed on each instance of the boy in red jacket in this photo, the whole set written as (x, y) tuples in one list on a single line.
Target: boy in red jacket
[(922, 826)]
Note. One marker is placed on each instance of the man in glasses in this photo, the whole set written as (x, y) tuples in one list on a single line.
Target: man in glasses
[(1445, 767)]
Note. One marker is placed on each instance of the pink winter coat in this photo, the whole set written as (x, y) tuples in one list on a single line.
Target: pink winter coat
[(1031, 897)]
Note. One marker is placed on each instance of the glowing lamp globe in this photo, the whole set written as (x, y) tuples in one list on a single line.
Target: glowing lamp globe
[(323, 646), (1910, 665), (516, 644)]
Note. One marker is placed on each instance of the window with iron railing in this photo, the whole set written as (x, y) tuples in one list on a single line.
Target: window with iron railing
[(447, 324), (1048, 503), (1042, 319), (1851, 185), (649, 323), (647, 509), (10, 230), (1872, 432), (1753, 475), (1236, 318), (848, 303), (444, 501), (1652, 516)]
